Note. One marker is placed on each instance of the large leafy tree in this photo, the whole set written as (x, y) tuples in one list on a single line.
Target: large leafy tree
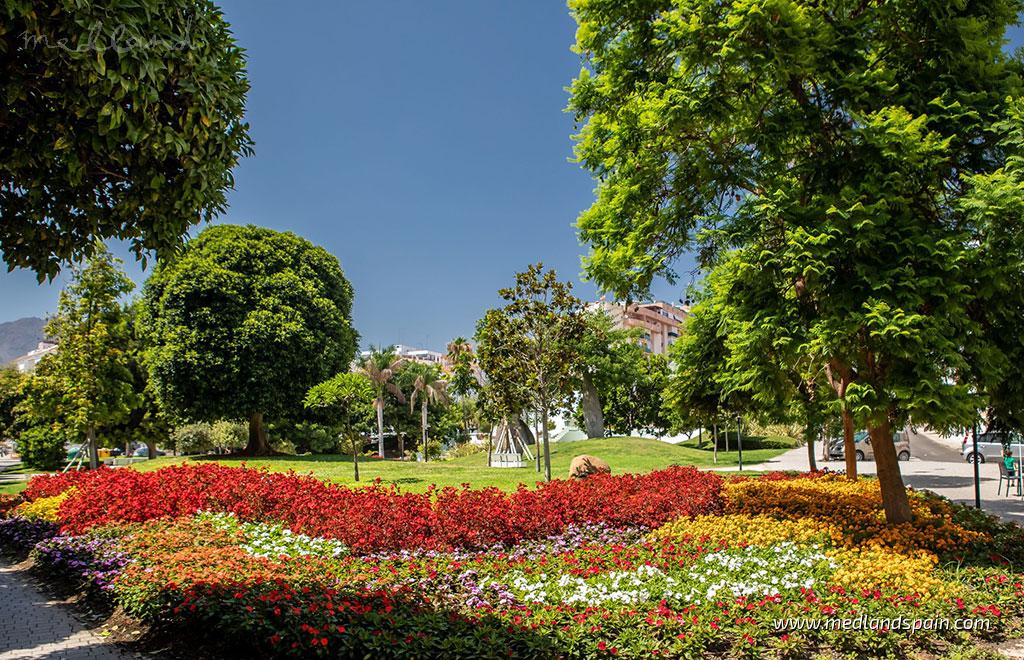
[(350, 397), (242, 323), (120, 120), (530, 346), (831, 143), (87, 383), (380, 368)]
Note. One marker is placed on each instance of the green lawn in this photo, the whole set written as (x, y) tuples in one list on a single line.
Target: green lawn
[(12, 487), (622, 454)]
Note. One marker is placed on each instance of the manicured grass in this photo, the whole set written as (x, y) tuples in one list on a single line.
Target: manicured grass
[(12, 487), (622, 454)]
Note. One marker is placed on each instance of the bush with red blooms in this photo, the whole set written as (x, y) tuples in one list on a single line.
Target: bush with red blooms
[(49, 485), (379, 518)]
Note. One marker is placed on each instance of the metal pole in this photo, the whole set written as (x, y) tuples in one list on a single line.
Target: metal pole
[(739, 439), (977, 477)]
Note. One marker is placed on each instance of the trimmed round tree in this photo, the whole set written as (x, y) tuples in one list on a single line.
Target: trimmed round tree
[(120, 120), (243, 323)]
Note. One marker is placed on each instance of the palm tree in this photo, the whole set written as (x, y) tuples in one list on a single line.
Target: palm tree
[(458, 347), (380, 367), (429, 388)]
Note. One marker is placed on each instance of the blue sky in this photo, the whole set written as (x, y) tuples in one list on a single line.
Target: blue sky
[(422, 143)]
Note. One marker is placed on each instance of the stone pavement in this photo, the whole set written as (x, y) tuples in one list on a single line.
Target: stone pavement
[(33, 626), (947, 475)]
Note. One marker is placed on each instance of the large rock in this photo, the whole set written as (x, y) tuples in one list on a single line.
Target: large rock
[(583, 466)]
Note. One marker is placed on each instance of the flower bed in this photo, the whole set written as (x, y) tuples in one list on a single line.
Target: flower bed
[(382, 518), (668, 564)]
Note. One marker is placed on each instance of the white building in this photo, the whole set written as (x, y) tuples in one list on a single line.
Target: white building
[(27, 363), (414, 354)]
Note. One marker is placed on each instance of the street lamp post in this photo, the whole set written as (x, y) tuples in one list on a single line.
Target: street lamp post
[(977, 476), (739, 439)]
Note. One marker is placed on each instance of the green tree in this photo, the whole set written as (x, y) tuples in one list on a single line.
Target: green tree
[(621, 383), (350, 396), (530, 348), (831, 144), (12, 384), (146, 421), (430, 388), (462, 378), (380, 367), (86, 384), (242, 323), (120, 120)]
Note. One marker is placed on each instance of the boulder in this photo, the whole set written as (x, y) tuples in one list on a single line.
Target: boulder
[(583, 466)]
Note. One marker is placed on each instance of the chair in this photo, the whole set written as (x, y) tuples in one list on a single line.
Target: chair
[(1004, 475)]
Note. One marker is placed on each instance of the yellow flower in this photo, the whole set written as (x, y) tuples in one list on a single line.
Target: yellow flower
[(854, 508), (43, 508), (761, 530)]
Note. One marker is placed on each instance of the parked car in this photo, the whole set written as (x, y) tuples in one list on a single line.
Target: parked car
[(862, 442), (991, 445)]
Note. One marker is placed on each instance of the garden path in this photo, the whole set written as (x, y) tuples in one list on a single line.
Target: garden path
[(32, 626)]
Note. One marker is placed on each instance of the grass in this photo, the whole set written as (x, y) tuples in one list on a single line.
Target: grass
[(12, 487), (622, 454)]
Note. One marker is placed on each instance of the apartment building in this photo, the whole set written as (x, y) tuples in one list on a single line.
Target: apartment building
[(659, 320)]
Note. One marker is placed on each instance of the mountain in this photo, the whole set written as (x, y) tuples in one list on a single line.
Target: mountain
[(19, 337)]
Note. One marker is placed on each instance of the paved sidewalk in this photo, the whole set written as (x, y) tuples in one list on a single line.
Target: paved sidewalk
[(32, 626), (951, 476)]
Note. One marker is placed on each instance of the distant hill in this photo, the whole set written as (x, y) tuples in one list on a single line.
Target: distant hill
[(19, 337)]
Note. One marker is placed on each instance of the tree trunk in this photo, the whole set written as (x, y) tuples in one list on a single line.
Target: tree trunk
[(547, 448), (809, 434), (423, 428), (490, 445), (726, 429), (151, 449), (380, 426), (894, 492), (593, 416), (258, 443), (715, 427), (355, 455), (94, 456), (849, 446), (536, 438), (700, 438)]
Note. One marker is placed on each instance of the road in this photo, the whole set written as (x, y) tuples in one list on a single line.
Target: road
[(935, 465), (930, 447)]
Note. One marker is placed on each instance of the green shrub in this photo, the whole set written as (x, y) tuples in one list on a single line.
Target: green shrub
[(465, 449), (43, 448), (227, 435), (193, 438)]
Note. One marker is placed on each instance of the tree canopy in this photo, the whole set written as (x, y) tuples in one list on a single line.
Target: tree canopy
[(243, 323), (350, 398), (119, 120), (86, 383), (836, 148), (529, 348)]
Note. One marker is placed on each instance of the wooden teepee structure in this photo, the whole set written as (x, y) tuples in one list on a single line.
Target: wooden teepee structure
[(510, 450)]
